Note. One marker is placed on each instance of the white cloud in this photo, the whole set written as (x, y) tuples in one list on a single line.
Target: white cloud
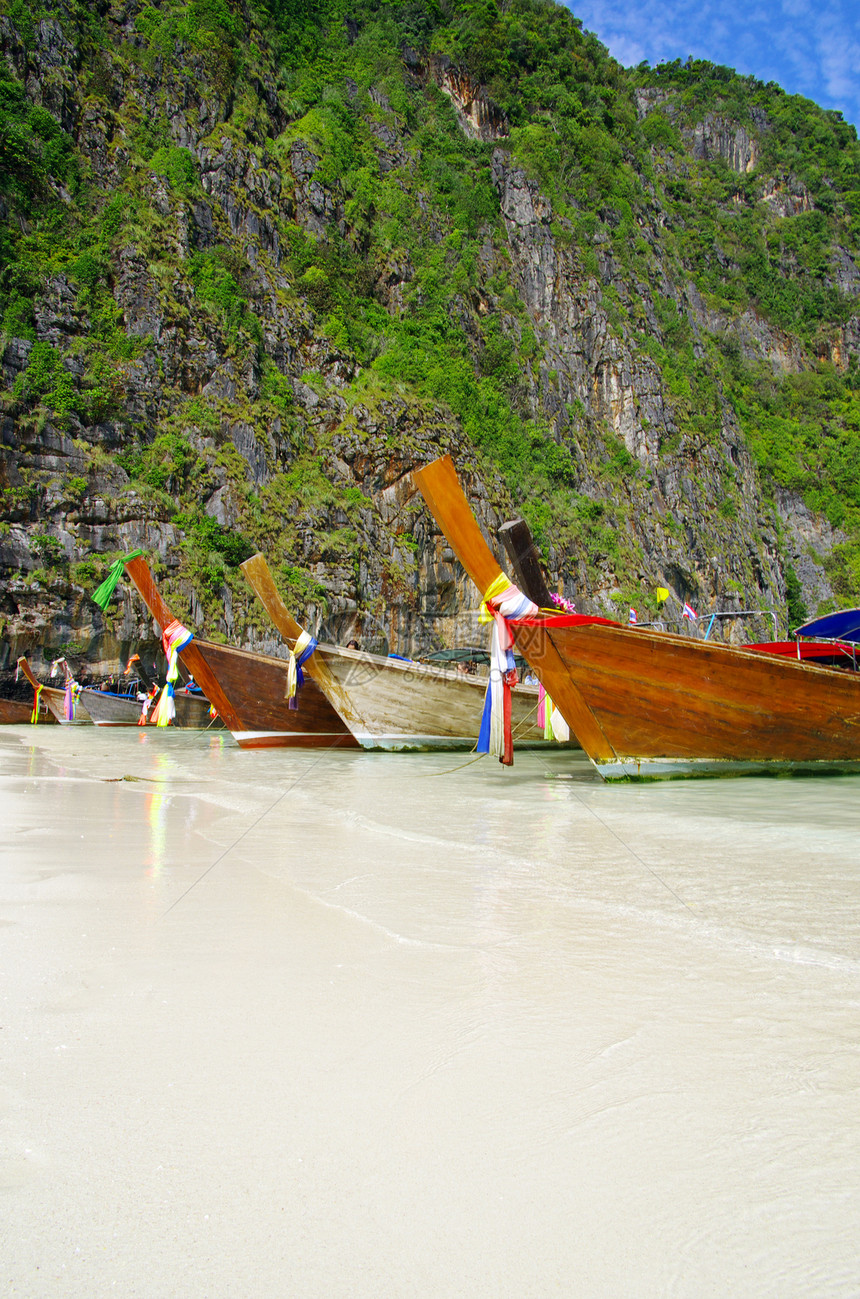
[(807, 47)]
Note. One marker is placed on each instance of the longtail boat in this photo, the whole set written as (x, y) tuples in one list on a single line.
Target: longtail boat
[(15, 711), (649, 704), (524, 559), (64, 704), (394, 703), (249, 691), (108, 708)]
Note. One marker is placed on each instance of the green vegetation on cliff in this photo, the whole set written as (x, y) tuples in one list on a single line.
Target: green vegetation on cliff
[(233, 246)]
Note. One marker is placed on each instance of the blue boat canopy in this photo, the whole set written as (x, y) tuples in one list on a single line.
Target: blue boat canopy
[(842, 625)]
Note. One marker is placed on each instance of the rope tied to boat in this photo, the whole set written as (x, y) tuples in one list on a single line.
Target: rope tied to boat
[(502, 601), (299, 655)]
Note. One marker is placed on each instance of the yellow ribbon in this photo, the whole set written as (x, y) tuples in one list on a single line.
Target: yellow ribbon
[(300, 646), (496, 587), (34, 717)]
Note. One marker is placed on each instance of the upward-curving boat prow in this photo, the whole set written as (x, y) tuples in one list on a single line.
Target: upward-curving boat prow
[(392, 703), (440, 487), (65, 705), (250, 691), (650, 704)]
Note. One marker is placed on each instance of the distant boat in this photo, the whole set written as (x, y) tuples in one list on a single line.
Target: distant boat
[(249, 690), (647, 704), (64, 704), (108, 708), (395, 703)]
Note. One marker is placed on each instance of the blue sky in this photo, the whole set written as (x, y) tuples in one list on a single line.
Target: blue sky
[(809, 47)]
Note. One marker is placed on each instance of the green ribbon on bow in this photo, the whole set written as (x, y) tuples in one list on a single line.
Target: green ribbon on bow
[(103, 594)]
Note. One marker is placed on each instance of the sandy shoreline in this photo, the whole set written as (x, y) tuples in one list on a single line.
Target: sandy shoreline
[(366, 1025)]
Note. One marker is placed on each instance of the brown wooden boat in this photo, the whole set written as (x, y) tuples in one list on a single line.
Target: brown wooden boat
[(649, 704), (55, 700), (391, 703), (15, 711), (250, 690)]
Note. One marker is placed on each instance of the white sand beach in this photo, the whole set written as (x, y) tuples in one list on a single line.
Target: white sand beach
[(367, 1025)]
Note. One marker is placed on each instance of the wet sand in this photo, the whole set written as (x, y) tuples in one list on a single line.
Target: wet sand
[(362, 1025)]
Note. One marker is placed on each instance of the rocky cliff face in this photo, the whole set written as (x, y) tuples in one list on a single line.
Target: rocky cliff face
[(184, 382)]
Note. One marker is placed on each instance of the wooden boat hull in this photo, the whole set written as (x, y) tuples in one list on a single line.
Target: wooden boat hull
[(396, 704), (256, 708), (111, 710), (14, 712), (664, 705), (107, 709), (250, 690), (400, 705), (650, 705)]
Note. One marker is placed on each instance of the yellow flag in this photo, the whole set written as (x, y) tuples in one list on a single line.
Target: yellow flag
[(662, 594)]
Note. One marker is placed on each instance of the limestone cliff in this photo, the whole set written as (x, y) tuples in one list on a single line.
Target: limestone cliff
[(206, 295)]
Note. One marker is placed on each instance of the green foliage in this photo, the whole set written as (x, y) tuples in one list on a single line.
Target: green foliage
[(408, 283), (18, 318), (215, 276), (299, 589), (89, 573), (804, 431), (741, 255), (35, 153), (208, 536), (47, 381), (49, 550), (276, 388), (797, 613), (169, 463), (179, 166)]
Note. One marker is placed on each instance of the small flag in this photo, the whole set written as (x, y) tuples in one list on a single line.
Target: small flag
[(662, 594), (632, 619), (689, 611)]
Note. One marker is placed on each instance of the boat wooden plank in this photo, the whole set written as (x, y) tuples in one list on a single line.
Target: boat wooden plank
[(259, 577), (525, 562)]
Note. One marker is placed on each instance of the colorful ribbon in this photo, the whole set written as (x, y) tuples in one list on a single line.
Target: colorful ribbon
[(70, 706), (70, 701), (165, 709), (147, 704), (550, 719), (174, 638), (37, 695), (304, 648), (103, 593), (502, 601)]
